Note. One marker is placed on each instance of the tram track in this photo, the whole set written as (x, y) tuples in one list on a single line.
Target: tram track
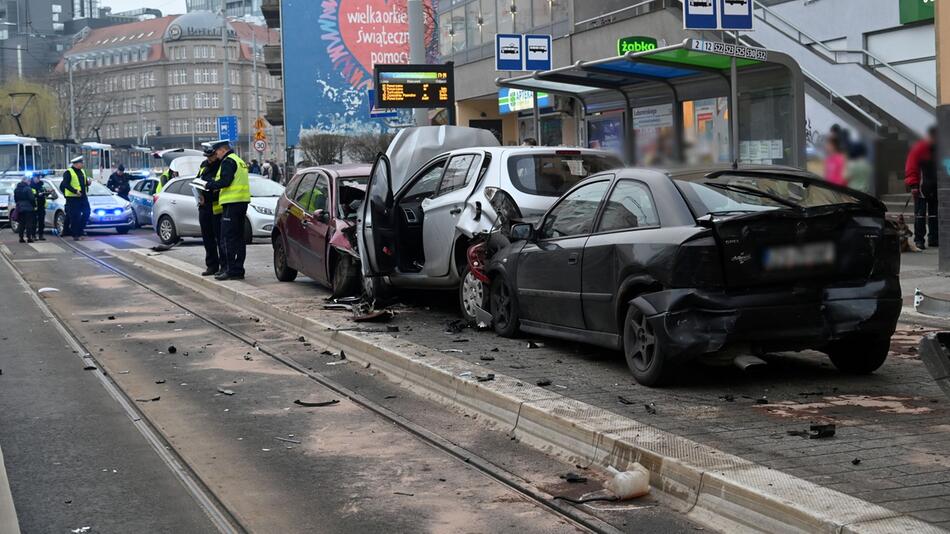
[(569, 513)]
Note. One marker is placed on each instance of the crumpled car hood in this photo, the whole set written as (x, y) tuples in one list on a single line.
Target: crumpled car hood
[(413, 147)]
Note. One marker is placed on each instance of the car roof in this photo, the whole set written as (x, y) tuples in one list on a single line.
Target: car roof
[(349, 170), (517, 150)]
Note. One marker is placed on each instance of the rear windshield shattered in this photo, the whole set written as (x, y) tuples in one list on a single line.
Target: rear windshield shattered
[(729, 194), (552, 175)]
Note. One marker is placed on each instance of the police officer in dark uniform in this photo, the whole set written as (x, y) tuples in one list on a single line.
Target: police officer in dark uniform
[(119, 182), (40, 194), (75, 188), (209, 214), (234, 187)]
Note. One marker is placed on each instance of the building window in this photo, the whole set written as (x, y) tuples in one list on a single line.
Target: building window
[(206, 76), (235, 76), (236, 101)]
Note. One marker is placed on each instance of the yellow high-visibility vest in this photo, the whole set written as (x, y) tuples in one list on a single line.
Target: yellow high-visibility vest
[(240, 188)]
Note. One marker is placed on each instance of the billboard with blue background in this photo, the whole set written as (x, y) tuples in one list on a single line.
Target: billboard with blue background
[(329, 48)]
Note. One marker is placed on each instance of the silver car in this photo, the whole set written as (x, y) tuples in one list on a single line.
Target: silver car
[(438, 187), (6, 200), (176, 210)]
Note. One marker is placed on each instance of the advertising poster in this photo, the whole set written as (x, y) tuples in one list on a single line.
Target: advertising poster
[(330, 47), (606, 133)]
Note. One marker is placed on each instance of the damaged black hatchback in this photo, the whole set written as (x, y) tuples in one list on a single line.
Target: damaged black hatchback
[(673, 266)]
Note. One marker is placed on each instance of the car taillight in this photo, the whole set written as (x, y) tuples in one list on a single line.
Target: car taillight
[(476, 262), (698, 264), (568, 152), (154, 198)]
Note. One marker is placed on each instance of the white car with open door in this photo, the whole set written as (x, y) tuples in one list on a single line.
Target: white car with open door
[(439, 187)]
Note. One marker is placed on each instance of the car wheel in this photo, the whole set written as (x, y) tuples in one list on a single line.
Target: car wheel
[(248, 233), (59, 222), (345, 279), (122, 230), (135, 220), (167, 233), (283, 272), (646, 357), (15, 226), (504, 307), (472, 295), (859, 355)]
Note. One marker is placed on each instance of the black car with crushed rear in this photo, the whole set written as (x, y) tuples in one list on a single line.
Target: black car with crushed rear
[(670, 266)]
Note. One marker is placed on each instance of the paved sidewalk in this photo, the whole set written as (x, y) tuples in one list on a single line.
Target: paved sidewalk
[(892, 445)]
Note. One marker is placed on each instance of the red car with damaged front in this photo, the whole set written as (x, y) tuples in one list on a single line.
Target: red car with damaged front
[(315, 227)]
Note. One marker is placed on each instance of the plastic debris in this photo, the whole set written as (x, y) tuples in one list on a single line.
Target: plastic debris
[(628, 484), (318, 404), (650, 408), (225, 391), (287, 440), (451, 350), (543, 382), (404, 494), (160, 381), (111, 318), (80, 530), (815, 432), (49, 290), (172, 349), (486, 358), (153, 399), (535, 345), (856, 461), (455, 326), (378, 316), (487, 378), (624, 400), (89, 368), (301, 339)]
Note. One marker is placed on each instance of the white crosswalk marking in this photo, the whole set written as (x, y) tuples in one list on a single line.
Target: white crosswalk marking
[(98, 246), (47, 248), (142, 242)]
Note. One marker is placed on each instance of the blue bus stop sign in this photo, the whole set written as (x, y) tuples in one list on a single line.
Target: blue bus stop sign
[(228, 128), (700, 14)]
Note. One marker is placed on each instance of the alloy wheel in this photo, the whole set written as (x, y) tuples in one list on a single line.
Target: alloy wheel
[(473, 294), (643, 349), (501, 304), (165, 230)]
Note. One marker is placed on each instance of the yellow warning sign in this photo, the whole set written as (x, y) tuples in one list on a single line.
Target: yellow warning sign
[(260, 135), (259, 124)]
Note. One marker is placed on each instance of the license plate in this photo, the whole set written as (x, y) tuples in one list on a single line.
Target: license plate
[(799, 256)]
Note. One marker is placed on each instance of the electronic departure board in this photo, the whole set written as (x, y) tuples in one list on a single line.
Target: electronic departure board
[(414, 86)]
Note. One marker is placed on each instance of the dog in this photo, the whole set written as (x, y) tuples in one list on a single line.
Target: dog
[(906, 235)]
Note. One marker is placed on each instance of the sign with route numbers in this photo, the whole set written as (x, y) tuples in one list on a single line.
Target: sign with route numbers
[(414, 86), (726, 49)]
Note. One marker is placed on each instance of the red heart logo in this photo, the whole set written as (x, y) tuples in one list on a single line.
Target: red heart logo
[(372, 31)]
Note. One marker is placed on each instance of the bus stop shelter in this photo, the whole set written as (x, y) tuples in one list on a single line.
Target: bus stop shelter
[(766, 87)]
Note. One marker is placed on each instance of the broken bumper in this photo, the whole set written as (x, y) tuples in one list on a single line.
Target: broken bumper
[(693, 322)]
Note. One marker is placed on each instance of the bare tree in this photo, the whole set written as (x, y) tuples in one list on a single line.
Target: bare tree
[(323, 148), (364, 148), (89, 101)]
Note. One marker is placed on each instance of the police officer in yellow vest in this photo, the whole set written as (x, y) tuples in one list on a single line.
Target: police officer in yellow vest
[(75, 187), (209, 214), (234, 188)]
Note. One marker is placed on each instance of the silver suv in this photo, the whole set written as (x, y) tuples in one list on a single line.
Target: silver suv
[(432, 193)]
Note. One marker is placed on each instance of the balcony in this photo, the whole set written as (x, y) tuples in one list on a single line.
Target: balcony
[(273, 60), (275, 113), (271, 12)]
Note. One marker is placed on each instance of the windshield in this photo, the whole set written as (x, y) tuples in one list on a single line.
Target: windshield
[(731, 193), (552, 175), (261, 187), (7, 187), (99, 190), (350, 195)]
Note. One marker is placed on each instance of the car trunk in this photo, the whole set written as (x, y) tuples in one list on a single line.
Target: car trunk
[(826, 244)]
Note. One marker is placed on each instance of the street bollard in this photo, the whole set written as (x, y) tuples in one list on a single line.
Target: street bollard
[(935, 352)]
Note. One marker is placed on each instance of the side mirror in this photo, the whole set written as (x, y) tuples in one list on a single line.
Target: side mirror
[(321, 215), (522, 232)]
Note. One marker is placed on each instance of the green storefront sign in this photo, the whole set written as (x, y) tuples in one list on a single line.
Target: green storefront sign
[(917, 10), (635, 44)]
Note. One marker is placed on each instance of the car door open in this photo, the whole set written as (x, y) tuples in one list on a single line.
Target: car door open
[(377, 228)]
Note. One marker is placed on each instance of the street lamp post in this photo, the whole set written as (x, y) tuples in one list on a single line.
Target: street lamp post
[(72, 100), (226, 71)]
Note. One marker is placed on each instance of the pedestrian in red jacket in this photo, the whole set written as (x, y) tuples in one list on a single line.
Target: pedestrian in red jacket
[(920, 175)]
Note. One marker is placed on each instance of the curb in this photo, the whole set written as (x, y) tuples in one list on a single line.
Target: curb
[(715, 488), (8, 519)]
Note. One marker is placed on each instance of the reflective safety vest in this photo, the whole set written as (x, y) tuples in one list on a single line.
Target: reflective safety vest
[(214, 195), (162, 180), (74, 183), (240, 188)]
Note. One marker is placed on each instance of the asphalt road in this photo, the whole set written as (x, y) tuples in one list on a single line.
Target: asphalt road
[(72, 455), (276, 466)]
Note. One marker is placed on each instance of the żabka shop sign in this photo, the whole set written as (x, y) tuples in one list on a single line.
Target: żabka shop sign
[(635, 44)]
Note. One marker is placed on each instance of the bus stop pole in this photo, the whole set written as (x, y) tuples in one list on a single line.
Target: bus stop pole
[(537, 118), (734, 112)]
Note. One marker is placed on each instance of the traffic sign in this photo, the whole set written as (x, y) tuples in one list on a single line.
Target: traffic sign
[(736, 14), (537, 52), (259, 124), (700, 14), (509, 53), (260, 145), (414, 86), (259, 135), (228, 128)]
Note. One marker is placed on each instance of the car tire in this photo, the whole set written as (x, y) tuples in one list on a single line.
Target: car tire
[(859, 355), (15, 226), (504, 307), (248, 233), (59, 223), (375, 289), (283, 271), (122, 230), (167, 233), (344, 282), (646, 357), (472, 292), (135, 220)]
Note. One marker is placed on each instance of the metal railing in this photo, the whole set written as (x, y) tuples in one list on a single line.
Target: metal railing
[(844, 56), (833, 95)]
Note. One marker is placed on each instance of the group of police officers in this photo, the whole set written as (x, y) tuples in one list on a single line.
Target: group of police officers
[(222, 207)]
